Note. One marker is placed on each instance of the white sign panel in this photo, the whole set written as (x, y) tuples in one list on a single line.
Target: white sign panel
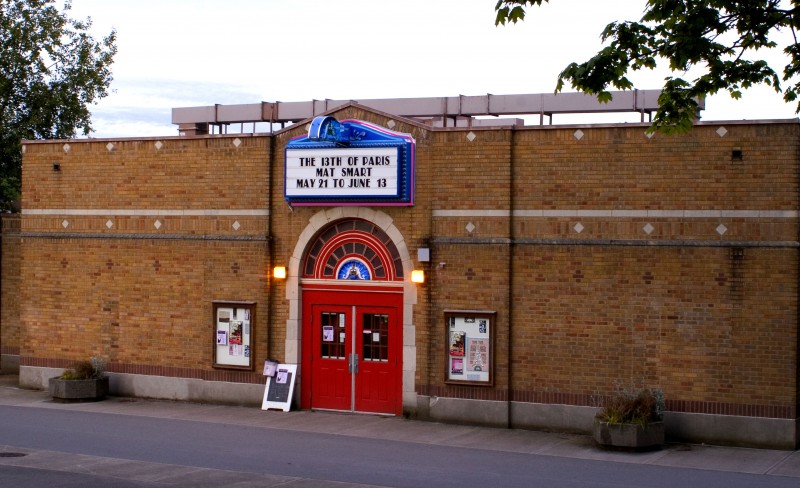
[(342, 172), (280, 388)]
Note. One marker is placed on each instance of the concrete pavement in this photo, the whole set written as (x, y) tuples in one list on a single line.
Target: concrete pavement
[(741, 460)]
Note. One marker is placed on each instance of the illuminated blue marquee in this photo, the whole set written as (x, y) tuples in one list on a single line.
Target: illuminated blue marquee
[(349, 162)]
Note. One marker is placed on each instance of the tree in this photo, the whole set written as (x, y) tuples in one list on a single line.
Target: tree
[(717, 36), (51, 71)]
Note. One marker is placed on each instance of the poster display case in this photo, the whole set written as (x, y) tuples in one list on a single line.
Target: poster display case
[(233, 334), (470, 347)]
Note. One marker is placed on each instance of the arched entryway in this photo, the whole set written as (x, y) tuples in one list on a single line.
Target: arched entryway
[(353, 305)]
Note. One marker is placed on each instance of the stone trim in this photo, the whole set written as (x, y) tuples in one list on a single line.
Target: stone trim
[(633, 213), (148, 212)]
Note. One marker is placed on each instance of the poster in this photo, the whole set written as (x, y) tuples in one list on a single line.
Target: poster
[(457, 343), (469, 347), (456, 365), (270, 367), (233, 334), (327, 333), (477, 354), (236, 332), (282, 377)]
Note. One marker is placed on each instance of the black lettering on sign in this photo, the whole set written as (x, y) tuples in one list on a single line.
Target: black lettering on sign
[(376, 160), (305, 183), (359, 183), (355, 172)]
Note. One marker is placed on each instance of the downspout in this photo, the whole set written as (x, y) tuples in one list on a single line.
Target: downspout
[(510, 306), (430, 317), (270, 245)]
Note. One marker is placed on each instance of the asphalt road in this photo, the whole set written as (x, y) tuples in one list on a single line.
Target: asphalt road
[(227, 454)]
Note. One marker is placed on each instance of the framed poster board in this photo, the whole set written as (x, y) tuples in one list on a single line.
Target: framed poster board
[(470, 347), (280, 388), (233, 334)]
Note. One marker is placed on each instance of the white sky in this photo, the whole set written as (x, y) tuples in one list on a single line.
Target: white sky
[(182, 53)]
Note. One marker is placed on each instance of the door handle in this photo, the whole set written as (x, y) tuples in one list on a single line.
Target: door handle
[(352, 363)]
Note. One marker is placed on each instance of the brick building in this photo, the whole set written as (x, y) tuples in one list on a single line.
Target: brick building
[(559, 261)]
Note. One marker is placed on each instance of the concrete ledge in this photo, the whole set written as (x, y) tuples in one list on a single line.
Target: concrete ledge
[(552, 417), (159, 387), (731, 430), (531, 416), (461, 411), (37, 378)]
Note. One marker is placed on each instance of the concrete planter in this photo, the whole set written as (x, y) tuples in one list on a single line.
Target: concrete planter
[(78, 390), (630, 436)]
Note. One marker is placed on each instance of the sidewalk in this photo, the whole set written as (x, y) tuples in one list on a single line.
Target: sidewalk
[(752, 461)]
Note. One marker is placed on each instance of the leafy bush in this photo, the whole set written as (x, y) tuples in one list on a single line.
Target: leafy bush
[(633, 406), (85, 370)]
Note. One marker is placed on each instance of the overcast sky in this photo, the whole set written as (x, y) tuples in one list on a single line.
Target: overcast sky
[(181, 53)]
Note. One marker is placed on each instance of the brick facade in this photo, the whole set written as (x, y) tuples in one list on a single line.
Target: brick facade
[(9, 293), (609, 255)]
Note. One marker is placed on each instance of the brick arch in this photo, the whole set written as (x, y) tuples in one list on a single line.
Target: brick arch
[(353, 238), (322, 220)]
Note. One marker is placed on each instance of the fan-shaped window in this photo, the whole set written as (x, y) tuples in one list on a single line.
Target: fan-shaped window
[(353, 249)]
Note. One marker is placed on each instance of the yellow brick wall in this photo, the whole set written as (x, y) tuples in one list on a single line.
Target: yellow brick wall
[(129, 243), (9, 292), (545, 226)]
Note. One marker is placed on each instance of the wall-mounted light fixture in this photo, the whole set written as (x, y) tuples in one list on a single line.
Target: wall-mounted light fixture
[(279, 272), (418, 276)]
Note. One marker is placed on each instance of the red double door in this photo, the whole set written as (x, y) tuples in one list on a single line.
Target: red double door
[(352, 350)]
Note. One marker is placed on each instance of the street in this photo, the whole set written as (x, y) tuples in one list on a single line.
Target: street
[(269, 456)]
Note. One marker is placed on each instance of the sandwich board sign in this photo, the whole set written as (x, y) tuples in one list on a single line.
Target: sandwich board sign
[(280, 388)]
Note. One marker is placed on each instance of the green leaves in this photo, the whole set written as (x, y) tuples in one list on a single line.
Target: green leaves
[(51, 70), (511, 11), (714, 38)]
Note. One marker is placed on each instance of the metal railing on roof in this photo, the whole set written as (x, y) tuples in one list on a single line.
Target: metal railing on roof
[(445, 108)]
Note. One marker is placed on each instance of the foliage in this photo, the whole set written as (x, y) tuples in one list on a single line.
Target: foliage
[(51, 70), (716, 36), (95, 368), (633, 406)]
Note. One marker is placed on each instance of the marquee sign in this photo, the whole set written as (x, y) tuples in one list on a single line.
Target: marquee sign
[(349, 163)]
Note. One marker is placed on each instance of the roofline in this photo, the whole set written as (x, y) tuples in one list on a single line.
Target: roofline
[(642, 101)]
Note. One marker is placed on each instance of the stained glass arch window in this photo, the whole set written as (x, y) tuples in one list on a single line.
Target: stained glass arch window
[(359, 247)]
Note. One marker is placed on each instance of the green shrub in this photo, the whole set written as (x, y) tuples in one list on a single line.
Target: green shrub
[(85, 370), (633, 406)]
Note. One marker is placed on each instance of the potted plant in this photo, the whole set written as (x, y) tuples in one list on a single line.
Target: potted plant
[(631, 418), (85, 381)]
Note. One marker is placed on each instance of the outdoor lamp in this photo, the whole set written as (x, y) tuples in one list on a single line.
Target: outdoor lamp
[(418, 276), (279, 272)]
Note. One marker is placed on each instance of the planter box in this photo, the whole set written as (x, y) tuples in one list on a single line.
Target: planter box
[(78, 390), (631, 436)]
